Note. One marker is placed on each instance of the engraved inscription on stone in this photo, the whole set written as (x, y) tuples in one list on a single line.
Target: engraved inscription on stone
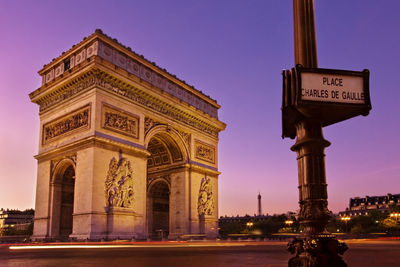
[(205, 204), (204, 152), (76, 120), (120, 121), (119, 184)]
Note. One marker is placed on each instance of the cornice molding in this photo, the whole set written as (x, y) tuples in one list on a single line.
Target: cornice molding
[(92, 141), (96, 78)]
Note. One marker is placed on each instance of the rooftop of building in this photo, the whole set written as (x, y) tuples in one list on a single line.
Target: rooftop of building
[(17, 212), (374, 199)]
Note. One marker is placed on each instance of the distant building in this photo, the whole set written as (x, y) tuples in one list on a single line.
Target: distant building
[(363, 206), (247, 218), (16, 219)]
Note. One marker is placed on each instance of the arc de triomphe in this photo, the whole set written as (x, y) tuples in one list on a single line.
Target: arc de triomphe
[(126, 149)]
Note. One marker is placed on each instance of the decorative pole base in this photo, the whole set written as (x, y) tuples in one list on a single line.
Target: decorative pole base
[(317, 251), (316, 247)]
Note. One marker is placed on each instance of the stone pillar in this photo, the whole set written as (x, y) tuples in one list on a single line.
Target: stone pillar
[(120, 223), (42, 203), (55, 206), (178, 211)]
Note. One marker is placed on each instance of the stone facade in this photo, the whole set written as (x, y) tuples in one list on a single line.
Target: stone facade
[(127, 150), (364, 205)]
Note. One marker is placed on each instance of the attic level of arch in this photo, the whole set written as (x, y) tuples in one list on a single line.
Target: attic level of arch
[(117, 57)]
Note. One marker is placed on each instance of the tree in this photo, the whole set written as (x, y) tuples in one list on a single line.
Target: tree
[(391, 225)]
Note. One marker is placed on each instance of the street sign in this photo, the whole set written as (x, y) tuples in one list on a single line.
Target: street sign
[(333, 86), (327, 95)]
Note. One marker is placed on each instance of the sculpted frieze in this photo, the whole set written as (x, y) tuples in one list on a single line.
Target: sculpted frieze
[(100, 79), (204, 152), (205, 204), (76, 120), (67, 91), (120, 121), (119, 184)]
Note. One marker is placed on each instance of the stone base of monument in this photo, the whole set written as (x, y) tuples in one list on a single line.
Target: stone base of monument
[(120, 223), (316, 251), (206, 226)]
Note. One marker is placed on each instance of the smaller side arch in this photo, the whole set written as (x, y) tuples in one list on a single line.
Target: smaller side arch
[(62, 188), (59, 169)]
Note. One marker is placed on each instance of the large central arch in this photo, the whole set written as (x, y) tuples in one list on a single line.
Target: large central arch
[(158, 209), (168, 154)]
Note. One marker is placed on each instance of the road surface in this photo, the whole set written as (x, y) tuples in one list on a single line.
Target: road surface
[(366, 253)]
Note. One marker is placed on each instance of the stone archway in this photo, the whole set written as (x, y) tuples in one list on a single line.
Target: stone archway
[(158, 209), (167, 157), (124, 127), (63, 189)]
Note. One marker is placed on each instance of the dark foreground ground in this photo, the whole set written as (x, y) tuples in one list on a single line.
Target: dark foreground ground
[(205, 254)]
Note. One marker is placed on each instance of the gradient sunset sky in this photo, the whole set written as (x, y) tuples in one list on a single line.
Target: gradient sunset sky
[(233, 51)]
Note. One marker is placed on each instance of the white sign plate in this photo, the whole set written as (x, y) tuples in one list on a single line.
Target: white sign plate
[(332, 88)]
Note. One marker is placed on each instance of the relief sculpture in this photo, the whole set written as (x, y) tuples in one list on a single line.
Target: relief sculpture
[(76, 120), (204, 152), (149, 123), (101, 80), (119, 184), (205, 204), (120, 122)]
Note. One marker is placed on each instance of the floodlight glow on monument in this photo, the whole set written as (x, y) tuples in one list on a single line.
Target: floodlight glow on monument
[(127, 150)]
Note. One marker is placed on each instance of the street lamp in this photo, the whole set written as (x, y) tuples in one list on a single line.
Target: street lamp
[(289, 223), (395, 215), (345, 219)]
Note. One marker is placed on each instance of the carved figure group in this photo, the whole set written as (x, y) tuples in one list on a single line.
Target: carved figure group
[(75, 121), (205, 152), (119, 122), (119, 184), (205, 204)]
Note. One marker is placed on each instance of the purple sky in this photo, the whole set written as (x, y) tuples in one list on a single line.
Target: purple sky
[(233, 51)]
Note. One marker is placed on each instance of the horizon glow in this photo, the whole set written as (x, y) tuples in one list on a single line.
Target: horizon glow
[(233, 51)]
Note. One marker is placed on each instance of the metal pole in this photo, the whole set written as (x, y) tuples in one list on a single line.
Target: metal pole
[(315, 247), (305, 45)]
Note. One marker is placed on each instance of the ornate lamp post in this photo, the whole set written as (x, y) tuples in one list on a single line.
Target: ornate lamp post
[(316, 246), (346, 220)]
